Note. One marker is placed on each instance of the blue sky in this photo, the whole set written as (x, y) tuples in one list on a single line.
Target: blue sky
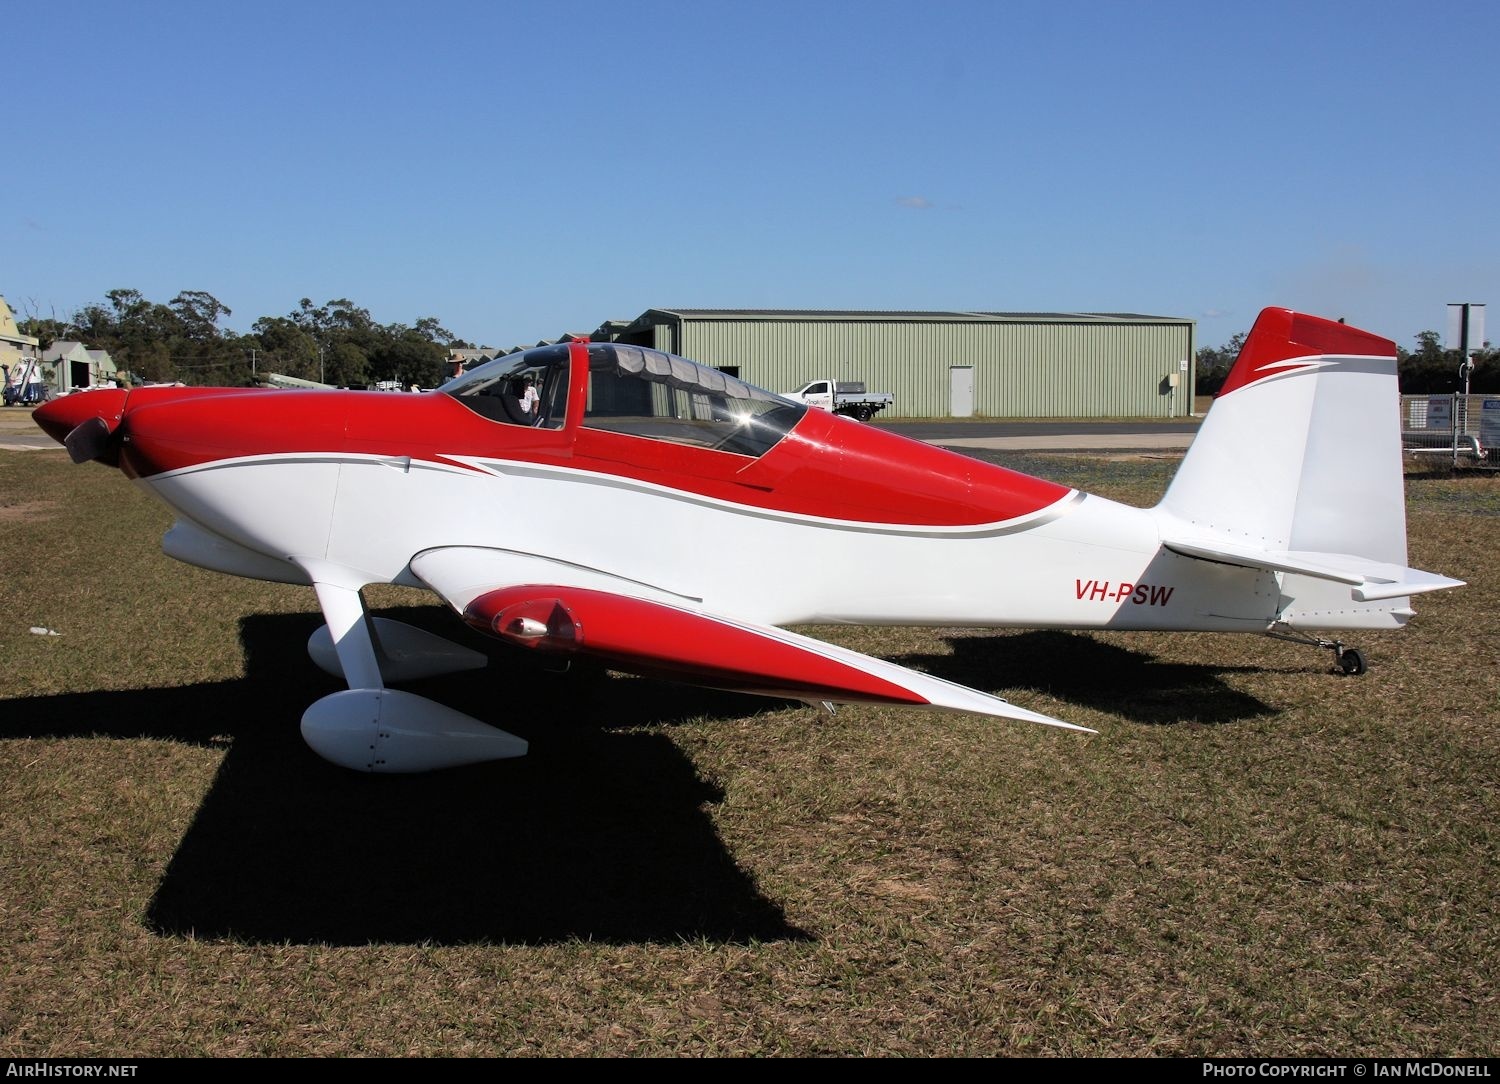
[(519, 170)]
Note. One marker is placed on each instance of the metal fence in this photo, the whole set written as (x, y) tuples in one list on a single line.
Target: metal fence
[(1463, 429)]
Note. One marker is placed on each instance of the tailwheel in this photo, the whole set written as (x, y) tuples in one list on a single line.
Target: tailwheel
[(1351, 661), (1346, 660)]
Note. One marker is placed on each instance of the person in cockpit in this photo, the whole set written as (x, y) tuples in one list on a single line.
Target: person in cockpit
[(513, 400), (531, 401)]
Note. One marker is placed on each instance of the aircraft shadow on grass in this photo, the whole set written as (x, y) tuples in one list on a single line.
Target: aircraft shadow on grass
[(599, 834), (1081, 670)]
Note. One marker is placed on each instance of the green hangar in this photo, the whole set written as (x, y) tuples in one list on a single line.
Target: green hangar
[(945, 364)]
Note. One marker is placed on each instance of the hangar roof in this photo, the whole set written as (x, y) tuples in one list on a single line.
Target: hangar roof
[(913, 316)]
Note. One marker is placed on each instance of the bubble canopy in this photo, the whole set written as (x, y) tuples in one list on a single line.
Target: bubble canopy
[(634, 391)]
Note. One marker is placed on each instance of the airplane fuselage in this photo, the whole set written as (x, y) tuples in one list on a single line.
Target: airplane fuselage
[(368, 483)]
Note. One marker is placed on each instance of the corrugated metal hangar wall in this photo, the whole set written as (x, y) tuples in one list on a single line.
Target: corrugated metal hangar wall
[(1013, 365)]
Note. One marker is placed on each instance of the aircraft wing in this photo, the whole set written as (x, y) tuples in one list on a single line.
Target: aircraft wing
[(646, 631)]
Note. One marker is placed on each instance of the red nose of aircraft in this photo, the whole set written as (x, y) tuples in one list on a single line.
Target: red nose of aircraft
[(82, 422), (166, 427)]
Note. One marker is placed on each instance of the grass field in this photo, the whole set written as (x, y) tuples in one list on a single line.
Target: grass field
[(1255, 856)]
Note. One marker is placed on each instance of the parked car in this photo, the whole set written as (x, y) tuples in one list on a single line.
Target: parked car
[(847, 397)]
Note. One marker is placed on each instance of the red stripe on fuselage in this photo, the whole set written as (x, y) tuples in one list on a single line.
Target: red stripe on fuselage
[(827, 467)]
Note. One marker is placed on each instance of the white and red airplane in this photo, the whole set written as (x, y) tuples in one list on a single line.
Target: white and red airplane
[(666, 518)]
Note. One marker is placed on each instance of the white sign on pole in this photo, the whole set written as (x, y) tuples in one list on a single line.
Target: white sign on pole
[(1456, 323)]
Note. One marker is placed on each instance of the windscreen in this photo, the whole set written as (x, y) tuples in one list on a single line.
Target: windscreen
[(647, 393)]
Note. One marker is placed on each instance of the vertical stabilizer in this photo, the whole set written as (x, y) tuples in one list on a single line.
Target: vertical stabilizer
[(1297, 471), (1302, 449)]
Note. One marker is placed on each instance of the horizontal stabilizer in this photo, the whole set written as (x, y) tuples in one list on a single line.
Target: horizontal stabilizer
[(1369, 580)]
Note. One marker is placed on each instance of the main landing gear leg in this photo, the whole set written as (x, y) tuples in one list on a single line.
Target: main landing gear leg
[(370, 728), (1347, 660)]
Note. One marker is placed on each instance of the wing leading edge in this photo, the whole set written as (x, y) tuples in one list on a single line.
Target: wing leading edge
[(659, 640)]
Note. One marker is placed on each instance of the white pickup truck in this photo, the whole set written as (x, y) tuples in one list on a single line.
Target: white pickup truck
[(842, 397)]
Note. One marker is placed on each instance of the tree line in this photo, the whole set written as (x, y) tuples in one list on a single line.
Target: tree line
[(335, 343), (1427, 370), (340, 343)]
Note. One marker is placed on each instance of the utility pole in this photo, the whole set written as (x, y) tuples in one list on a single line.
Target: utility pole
[(1466, 332)]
